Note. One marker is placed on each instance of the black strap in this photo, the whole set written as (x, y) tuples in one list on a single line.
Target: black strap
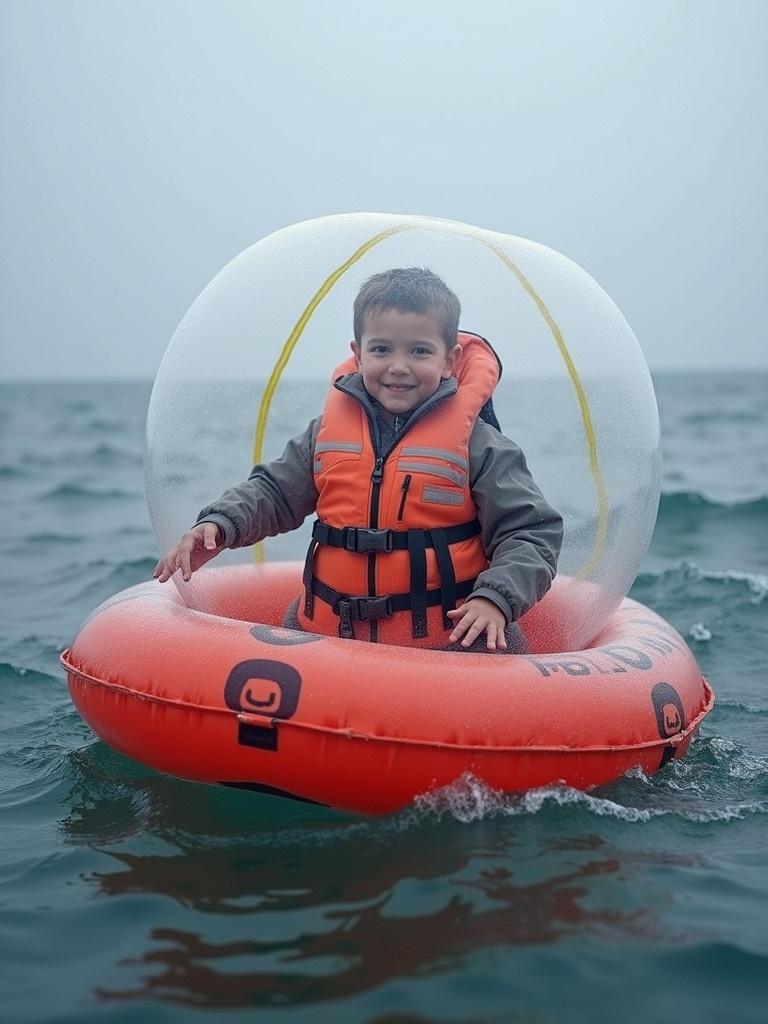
[(306, 579), (346, 629), (417, 553), (447, 575), (364, 609), (361, 539)]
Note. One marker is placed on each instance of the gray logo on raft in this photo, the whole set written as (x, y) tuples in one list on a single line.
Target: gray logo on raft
[(262, 687), (657, 643), (280, 636)]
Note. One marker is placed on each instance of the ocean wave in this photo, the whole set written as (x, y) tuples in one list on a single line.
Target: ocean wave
[(85, 492), (52, 537), (100, 424), (102, 454), (132, 530), (688, 573), (720, 780), (721, 416), (728, 758), (740, 706), (75, 405), (11, 673), (113, 577), (28, 651), (470, 799), (675, 502)]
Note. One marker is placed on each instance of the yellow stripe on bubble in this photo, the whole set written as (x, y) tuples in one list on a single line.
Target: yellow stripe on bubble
[(586, 415), (293, 339), (584, 409)]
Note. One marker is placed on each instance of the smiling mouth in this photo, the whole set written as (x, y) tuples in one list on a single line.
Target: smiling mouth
[(400, 387)]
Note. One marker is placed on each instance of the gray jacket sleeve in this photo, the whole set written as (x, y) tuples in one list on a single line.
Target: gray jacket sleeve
[(521, 532), (276, 497)]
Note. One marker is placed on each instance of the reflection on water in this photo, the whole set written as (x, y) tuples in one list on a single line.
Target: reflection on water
[(361, 948), (297, 905)]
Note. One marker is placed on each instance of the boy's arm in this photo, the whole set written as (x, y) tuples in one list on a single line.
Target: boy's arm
[(521, 532), (276, 497)]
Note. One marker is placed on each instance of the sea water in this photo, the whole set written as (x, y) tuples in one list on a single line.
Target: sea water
[(129, 896)]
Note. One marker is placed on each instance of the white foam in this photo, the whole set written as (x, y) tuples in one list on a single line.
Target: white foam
[(699, 632), (467, 799), (751, 709), (730, 812), (756, 582), (470, 799), (737, 762), (563, 797)]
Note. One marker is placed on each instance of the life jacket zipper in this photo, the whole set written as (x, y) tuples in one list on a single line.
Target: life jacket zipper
[(406, 485), (376, 477)]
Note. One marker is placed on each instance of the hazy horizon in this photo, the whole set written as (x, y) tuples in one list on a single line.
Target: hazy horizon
[(146, 145), (722, 371)]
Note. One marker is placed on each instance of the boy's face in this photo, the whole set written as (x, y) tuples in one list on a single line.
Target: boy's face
[(403, 357)]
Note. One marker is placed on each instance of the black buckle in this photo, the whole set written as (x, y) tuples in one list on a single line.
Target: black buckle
[(363, 609), (361, 539)]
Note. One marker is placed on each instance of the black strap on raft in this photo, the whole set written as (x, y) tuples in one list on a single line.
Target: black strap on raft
[(363, 540)]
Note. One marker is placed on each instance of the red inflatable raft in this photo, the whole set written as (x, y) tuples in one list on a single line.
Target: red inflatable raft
[(232, 698)]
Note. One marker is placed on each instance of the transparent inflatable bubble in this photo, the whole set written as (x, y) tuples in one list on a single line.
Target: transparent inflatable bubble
[(250, 363)]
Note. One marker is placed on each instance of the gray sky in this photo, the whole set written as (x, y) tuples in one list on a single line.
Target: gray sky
[(147, 142)]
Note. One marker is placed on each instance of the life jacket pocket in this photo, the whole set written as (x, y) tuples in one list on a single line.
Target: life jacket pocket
[(403, 496), (455, 476), (431, 475)]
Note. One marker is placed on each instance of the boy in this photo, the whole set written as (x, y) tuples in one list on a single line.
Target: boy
[(421, 502)]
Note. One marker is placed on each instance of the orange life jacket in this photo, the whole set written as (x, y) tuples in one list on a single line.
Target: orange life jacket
[(396, 543)]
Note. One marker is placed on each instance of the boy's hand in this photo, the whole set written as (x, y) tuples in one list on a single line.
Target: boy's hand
[(475, 616), (198, 546)]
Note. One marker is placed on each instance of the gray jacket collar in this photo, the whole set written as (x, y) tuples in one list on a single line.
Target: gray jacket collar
[(383, 434)]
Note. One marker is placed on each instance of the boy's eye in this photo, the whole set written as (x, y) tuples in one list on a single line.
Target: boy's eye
[(378, 349), (421, 350)]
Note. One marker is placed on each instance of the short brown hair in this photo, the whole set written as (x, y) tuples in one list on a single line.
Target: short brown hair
[(411, 290)]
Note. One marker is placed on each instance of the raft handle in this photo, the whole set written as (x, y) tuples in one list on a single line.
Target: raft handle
[(258, 731)]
